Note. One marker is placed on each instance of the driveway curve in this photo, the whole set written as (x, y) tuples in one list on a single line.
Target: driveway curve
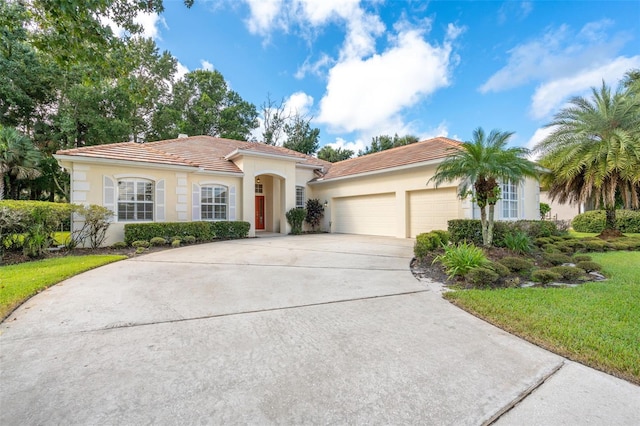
[(326, 328)]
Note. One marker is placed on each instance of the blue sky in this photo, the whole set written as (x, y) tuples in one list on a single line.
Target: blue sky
[(365, 68)]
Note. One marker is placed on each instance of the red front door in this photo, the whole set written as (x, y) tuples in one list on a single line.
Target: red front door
[(259, 212)]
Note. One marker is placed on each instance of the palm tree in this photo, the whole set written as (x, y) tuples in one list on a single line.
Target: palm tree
[(593, 152), (483, 164), (19, 158)]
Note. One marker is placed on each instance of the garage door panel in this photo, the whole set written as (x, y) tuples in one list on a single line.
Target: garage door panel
[(431, 209), (366, 215)]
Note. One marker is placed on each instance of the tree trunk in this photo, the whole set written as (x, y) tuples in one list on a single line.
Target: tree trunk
[(2, 186), (489, 240), (483, 222), (610, 222)]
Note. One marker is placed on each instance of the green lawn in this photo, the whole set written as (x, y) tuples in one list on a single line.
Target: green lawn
[(597, 324), (20, 282), (593, 234)]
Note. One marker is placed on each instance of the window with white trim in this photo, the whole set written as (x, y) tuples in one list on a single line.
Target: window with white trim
[(509, 200), (259, 188), (300, 196), (135, 200), (214, 202)]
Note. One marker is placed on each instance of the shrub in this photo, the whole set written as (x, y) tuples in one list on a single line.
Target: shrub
[(119, 245), (516, 264), (315, 213), (617, 245), (545, 276), (541, 241), (37, 220), (544, 209), (461, 230), (459, 259), (157, 241), (295, 217), (518, 242), (570, 273), (556, 258), (426, 243), (589, 266), (551, 248), (481, 276), (189, 239), (96, 221), (445, 237), (582, 258), (594, 221), (537, 228), (230, 230), (140, 244), (595, 245), (140, 250), (175, 243), (498, 268), (145, 231)]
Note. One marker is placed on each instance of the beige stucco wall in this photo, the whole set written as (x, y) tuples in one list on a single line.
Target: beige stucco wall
[(405, 182), (278, 176), (560, 211), (399, 182)]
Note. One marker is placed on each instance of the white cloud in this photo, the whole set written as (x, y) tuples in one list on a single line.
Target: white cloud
[(514, 10), (317, 68), (298, 103), (552, 94), (181, 70), (150, 23), (263, 15), (355, 146), (538, 136), (556, 54), (362, 93), (206, 65)]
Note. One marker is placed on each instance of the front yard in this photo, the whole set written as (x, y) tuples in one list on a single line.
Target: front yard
[(596, 323)]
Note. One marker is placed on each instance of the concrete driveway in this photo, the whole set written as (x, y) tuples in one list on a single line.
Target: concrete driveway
[(328, 329)]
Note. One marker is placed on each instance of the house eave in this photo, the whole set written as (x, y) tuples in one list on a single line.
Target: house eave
[(248, 153), (61, 158), (377, 172)]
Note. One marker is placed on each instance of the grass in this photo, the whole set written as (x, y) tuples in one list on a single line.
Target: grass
[(20, 282), (593, 234), (597, 323)]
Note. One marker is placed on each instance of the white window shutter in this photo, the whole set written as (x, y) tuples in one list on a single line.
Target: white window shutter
[(195, 202), (109, 195), (232, 202), (160, 210)]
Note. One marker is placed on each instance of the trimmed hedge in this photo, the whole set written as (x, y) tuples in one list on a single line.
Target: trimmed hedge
[(593, 221), (202, 231), (231, 230), (470, 230), (426, 243)]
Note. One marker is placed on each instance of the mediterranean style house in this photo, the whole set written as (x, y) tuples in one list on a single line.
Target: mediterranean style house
[(206, 178)]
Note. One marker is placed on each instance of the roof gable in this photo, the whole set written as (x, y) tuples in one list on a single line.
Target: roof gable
[(419, 152)]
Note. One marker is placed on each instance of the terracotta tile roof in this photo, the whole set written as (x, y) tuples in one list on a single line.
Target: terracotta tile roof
[(431, 149), (206, 152)]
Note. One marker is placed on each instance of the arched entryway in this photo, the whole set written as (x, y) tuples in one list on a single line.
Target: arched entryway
[(268, 203)]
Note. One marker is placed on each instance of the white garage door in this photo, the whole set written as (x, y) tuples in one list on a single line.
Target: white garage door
[(431, 209), (367, 215)]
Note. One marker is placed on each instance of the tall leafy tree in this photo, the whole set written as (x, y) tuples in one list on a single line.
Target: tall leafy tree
[(384, 142), (300, 136), (333, 155), (27, 76), (19, 160), (147, 83), (203, 104), (481, 165), (593, 152)]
